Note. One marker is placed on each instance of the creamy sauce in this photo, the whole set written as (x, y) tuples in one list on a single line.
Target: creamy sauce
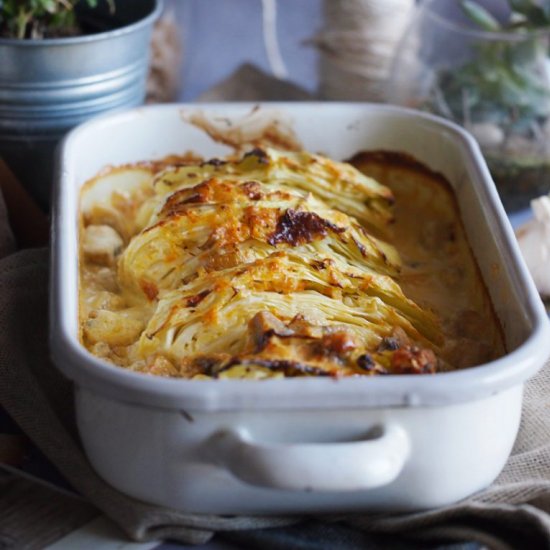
[(439, 271)]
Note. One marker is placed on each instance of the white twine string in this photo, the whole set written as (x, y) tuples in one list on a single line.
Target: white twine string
[(274, 57), (357, 46)]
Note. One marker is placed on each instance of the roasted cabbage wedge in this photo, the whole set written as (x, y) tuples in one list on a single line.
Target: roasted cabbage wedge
[(338, 184), (270, 265)]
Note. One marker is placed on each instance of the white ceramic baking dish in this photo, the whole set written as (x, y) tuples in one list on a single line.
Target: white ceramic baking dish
[(304, 444)]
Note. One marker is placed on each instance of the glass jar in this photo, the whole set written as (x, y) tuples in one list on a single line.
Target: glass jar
[(495, 84)]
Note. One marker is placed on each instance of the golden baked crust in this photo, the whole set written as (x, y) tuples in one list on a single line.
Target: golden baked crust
[(274, 264)]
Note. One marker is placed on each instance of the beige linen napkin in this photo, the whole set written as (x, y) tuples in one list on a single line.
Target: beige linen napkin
[(513, 512)]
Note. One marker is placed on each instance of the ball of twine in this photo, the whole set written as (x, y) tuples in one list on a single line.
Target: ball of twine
[(357, 46)]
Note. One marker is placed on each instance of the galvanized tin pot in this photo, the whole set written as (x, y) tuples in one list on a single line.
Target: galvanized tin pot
[(49, 86)]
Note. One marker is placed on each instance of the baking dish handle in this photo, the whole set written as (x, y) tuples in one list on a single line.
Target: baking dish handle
[(339, 466)]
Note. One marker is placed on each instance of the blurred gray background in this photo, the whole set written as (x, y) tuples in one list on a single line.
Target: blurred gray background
[(220, 35)]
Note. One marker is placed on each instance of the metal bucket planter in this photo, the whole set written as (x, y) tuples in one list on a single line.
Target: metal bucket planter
[(49, 86)]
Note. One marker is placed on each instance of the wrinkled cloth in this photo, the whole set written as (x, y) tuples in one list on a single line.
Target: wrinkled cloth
[(513, 512)]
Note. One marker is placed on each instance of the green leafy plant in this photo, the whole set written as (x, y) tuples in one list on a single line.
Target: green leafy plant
[(41, 18)]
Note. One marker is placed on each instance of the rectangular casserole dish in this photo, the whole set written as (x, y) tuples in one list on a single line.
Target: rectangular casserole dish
[(303, 444)]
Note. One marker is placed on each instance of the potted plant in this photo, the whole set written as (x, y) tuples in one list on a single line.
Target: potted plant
[(485, 64), (64, 61)]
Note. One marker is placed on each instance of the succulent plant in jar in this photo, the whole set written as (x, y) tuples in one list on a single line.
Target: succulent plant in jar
[(485, 64)]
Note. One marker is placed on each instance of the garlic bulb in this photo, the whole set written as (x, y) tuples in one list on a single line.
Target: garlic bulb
[(534, 242)]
